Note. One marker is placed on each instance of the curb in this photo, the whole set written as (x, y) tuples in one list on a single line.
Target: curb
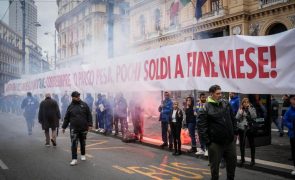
[(258, 167)]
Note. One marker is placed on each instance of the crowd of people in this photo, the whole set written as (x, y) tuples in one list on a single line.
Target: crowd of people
[(217, 122)]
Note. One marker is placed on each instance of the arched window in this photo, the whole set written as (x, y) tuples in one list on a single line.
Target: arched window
[(157, 19), (142, 25), (276, 28)]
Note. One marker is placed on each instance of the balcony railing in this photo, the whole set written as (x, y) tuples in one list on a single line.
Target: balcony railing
[(217, 10), (267, 3)]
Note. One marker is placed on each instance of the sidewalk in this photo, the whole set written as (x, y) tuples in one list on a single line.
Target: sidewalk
[(272, 159)]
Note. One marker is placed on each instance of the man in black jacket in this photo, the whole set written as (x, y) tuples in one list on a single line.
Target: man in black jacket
[(218, 127), (79, 116)]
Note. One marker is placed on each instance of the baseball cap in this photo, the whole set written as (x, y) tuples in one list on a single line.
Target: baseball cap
[(75, 94)]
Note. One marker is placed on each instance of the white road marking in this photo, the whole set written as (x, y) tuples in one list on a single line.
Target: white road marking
[(2, 165)]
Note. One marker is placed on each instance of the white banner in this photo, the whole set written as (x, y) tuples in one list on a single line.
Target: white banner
[(244, 64)]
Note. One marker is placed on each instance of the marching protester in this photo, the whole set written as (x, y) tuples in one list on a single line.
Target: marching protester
[(65, 102), (120, 114), (190, 119), (199, 107), (275, 115), (246, 116), (30, 106), (176, 125), (79, 117), (165, 110), (48, 117), (289, 121), (218, 127)]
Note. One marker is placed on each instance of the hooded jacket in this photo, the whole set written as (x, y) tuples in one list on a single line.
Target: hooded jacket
[(289, 121), (79, 116), (217, 123)]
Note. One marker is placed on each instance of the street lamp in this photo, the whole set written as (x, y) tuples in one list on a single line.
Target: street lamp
[(37, 24), (47, 33)]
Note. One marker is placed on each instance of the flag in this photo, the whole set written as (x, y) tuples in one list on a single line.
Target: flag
[(185, 2), (199, 4), (174, 9)]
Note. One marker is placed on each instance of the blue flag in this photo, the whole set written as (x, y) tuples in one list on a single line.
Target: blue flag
[(199, 4)]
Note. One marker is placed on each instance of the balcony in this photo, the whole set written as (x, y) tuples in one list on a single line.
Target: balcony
[(217, 10), (267, 3)]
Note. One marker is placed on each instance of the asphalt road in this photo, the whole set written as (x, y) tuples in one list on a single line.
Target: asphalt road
[(25, 157)]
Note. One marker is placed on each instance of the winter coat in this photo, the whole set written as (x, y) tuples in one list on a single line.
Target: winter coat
[(245, 117), (189, 115), (289, 121), (79, 116), (49, 114), (30, 106), (217, 123), (165, 110)]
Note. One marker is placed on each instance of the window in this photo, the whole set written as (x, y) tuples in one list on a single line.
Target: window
[(157, 20), (142, 25)]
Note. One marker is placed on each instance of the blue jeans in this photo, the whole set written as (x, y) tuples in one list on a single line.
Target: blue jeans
[(192, 133), (30, 124), (164, 126), (276, 121), (100, 120)]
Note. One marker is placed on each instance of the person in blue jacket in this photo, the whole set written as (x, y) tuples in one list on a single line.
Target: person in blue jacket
[(30, 106), (289, 121), (89, 100), (234, 102), (165, 110)]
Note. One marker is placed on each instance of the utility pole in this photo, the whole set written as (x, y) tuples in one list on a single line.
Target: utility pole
[(110, 9), (23, 36)]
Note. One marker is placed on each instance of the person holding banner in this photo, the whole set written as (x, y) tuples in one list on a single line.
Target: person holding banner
[(191, 123), (218, 127), (165, 110)]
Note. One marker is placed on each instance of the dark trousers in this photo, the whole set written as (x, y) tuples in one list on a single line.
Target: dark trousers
[(242, 138), (75, 137), (216, 152), (192, 133), (164, 126), (175, 130), (123, 123), (100, 120), (292, 143), (108, 123)]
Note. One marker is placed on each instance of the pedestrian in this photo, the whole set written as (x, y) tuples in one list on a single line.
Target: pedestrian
[(135, 112), (289, 122), (30, 106), (218, 127), (89, 100), (99, 125), (285, 106), (246, 116), (107, 115), (165, 110), (120, 114), (275, 115), (176, 125), (49, 116), (65, 102), (199, 107), (191, 122), (234, 102), (79, 116)]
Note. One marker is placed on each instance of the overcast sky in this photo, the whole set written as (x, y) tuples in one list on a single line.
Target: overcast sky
[(47, 14)]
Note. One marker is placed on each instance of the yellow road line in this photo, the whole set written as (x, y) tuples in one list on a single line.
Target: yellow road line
[(106, 148), (124, 169)]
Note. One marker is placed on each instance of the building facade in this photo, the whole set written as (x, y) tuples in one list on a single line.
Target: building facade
[(156, 23), (82, 28), (16, 18), (10, 55)]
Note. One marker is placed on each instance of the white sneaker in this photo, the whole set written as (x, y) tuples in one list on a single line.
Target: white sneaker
[(206, 153), (293, 172), (74, 162), (102, 130), (200, 152), (96, 130), (83, 158)]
